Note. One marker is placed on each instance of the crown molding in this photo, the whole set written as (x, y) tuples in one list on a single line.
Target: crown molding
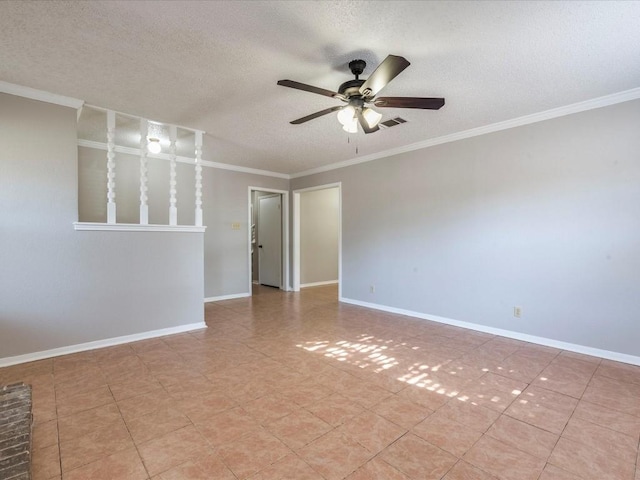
[(33, 94), (592, 104), (191, 161)]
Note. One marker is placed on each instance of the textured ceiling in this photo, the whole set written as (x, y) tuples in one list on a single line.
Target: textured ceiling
[(213, 65)]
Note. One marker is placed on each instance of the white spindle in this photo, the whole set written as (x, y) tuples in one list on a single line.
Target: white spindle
[(173, 210), (111, 167), (198, 221), (144, 207)]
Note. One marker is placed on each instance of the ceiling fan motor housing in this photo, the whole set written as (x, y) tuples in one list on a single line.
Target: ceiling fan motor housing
[(350, 88), (357, 67)]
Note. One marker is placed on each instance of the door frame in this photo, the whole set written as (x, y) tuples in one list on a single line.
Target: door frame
[(296, 233), (261, 225), (284, 277)]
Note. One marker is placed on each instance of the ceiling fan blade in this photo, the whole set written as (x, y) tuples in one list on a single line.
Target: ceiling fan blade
[(309, 88), (363, 123), (316, 115), (389, 69), (410, 102)]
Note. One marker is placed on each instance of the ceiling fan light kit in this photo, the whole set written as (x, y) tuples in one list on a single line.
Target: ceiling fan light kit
[(358, 94)]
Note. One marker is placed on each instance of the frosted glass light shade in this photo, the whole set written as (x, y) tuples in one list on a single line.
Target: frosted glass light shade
[(154, 145), (352, 126), (371, 116), (346, 115)]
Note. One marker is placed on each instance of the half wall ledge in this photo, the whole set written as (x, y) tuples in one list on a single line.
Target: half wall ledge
[(135, 227)]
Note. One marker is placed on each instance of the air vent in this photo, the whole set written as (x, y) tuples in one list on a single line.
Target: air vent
[(393, 122)]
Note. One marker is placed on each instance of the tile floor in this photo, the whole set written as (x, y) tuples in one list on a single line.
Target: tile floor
[(297, 386)]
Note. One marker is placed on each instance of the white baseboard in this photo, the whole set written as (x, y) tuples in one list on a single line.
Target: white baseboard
[(109, 342), (227, 297), (317, 284), (548, 342)]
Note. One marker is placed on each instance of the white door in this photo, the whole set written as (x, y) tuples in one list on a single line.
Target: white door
[(270, 240)]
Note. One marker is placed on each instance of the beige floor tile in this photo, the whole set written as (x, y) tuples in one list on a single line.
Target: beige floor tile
[(519, 367), (206, 468), (156, 424), (84, 401), (430, 399), (474, 416), (298, 428), (269, 408), (523, 436), (543, 409), (252, 453), (144, 404), (601, 439), (465, 471), (581, 460), (205, 406), (133, 386), (335, 409), (554, 473), (493, 391), (227, 426), (45, 434), (619, 371), (46, 462), (377, 469), (563, 379), (418, 458), (94, 445), (173, 449), (605, 417), (614, 394), (190, 387), (124, 465), (447, 434), (334, 455), (290, 467), (503, 460), (372, 431), (401, 411), (80, 424)]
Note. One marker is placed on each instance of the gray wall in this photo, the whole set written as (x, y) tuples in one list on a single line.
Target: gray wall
[(226, 201), (319, 224), (544, 216), (60, 287)]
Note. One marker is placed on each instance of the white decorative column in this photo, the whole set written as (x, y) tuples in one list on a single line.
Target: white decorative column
[(111, 167), (173, 210), (144, 207), (198, 222)]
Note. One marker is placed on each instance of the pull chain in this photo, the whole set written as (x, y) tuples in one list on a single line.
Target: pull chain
[(349, 141)]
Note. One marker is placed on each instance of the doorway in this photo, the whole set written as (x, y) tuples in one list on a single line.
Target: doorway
[(269, 239), (268, 245), (317, 236)]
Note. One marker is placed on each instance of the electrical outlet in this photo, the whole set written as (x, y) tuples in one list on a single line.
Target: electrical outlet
[(517, 312), (372, 289)]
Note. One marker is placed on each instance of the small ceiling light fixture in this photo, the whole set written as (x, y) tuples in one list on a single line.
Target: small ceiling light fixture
[(347, 117), (372, 117), (153, 145), (351, 126)]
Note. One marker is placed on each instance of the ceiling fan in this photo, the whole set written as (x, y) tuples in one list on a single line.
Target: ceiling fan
[(358, 94)]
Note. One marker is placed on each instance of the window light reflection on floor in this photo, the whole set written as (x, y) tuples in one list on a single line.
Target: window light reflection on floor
[(378, 355)]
